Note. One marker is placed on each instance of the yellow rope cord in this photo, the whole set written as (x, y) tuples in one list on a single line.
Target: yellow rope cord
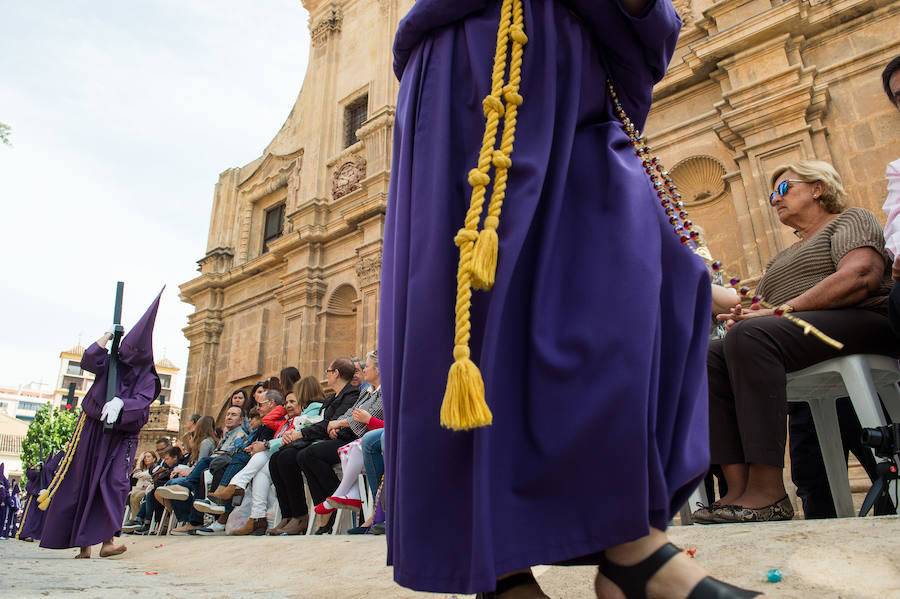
[(24, 515), (45, 497), (464, 405), (484, 262)]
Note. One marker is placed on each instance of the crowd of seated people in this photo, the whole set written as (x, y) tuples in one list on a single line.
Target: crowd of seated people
[(290, 420)]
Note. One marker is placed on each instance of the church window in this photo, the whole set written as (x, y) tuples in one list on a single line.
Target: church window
[(354, 117), (73, 367), (274, 225)]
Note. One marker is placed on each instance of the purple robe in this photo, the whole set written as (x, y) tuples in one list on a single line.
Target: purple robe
[(88, 506), (33, 518), (592, 342), (5, 503)]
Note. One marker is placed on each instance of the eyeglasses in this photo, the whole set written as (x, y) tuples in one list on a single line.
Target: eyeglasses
[(328, 370), (782, 189)]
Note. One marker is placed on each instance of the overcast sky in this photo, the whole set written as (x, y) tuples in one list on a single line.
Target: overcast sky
[(123, 114)]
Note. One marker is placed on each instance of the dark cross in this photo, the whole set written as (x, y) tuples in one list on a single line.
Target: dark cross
[(113, 370), (71, 399)]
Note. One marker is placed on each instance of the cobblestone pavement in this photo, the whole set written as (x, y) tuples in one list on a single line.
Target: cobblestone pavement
[(851, 558)]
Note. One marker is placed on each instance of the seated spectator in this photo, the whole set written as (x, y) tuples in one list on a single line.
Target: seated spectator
[(257, 473), (359, 380), (284, 466), (347, 494), (178, 493), (241, 456), (204, 439), (246, 402), (837, 278), (151, 508), (142, 480)]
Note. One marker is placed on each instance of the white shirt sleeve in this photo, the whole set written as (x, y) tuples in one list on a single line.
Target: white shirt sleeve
[(892, 209)]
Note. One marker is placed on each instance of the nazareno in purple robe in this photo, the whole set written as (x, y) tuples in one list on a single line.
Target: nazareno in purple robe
[(592, 342), (88, 505), (32, 522)]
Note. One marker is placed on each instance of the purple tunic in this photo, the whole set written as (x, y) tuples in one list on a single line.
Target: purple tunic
[(32, 523), (592, 342), (89, 503)]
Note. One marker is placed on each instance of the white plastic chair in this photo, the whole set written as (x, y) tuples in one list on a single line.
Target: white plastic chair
[(862, 377)]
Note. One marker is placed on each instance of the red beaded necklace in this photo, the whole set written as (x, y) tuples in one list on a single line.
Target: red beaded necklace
[(671, 201)]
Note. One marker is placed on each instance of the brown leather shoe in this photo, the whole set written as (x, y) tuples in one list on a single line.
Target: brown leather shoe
[(780, 510), (259, 526), (222, 494), (297, 526), (247, 528), (277, 530)]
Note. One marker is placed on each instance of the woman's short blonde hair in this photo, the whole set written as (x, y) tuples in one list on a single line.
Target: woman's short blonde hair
[(834, 198)]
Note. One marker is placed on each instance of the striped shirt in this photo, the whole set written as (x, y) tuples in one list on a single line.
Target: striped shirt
[(807, 263)]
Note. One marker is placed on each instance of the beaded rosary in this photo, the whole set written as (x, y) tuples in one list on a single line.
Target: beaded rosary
[(670, 199)]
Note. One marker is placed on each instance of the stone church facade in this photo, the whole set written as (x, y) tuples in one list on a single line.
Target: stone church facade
[(292, 267)]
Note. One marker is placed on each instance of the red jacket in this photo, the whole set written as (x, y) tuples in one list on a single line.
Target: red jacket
[(275, 418)]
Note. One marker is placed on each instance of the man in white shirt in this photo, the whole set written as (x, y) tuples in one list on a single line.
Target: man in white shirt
[(890, 78)]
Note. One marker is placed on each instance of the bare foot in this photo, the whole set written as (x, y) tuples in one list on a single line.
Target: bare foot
[(85, 553), (108, 550)]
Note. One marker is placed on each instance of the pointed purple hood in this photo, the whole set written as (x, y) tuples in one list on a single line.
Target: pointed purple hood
[(3, 480), (136, 348)]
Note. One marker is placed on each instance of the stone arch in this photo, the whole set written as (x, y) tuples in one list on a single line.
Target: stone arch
[(699, 180), (341, 323)]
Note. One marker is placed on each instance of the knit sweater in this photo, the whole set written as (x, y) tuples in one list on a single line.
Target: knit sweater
[(807, 263)]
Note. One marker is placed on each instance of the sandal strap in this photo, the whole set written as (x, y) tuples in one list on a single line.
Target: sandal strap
[(632, 580), (713, 588), (507, 583)]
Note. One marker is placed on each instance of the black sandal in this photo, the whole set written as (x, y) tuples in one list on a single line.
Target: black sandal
[(505, 584), (632, 580)]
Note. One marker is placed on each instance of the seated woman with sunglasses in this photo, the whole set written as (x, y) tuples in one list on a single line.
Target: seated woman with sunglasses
[(836, 277)]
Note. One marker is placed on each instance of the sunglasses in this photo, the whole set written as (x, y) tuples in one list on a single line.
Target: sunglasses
[(782, 189)]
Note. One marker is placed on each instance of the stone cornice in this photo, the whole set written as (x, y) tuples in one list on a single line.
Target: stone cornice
[(239, 273), (786, 18), (382, 119), (272, 174)]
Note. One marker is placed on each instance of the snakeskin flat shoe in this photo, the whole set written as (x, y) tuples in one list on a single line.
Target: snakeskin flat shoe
[(780, 510)]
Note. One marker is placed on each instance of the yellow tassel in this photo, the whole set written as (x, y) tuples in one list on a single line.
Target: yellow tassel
[(44, 501), (464, 407), (484, 260)]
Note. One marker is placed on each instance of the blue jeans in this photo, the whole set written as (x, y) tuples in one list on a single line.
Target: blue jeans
[(373, 457), (238, 461), (184, 510)]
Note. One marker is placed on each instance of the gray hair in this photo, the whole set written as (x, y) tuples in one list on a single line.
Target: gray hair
[(275, 396), (374, 356)]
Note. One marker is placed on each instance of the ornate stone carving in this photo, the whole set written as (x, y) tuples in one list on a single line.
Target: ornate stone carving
[(368, 270), (348, 177), (699, 179), (325, 26)]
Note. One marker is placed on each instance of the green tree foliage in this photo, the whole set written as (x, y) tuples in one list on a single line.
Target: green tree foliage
[(48, 433), (4, 133)]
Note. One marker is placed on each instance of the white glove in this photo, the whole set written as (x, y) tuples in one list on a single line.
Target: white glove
[(111, 409)]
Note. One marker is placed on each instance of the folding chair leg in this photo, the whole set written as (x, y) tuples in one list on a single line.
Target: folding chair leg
[(825, 419)]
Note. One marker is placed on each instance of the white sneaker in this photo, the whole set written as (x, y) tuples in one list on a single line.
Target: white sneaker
[(176, 492), (211, 529), (208, 507)]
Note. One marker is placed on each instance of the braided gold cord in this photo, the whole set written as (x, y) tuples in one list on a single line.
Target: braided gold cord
[(46, 497), (464, 405)]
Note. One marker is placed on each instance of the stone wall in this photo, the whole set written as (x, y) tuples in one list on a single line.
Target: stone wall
[(753, 84)]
